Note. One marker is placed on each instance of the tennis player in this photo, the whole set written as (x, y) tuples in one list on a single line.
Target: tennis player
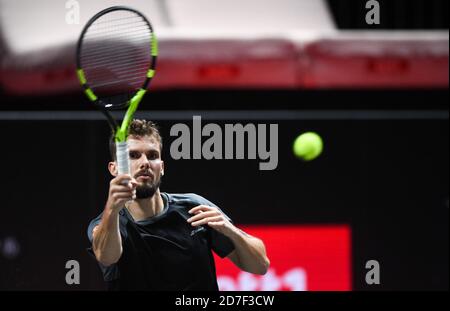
[(146, 239)]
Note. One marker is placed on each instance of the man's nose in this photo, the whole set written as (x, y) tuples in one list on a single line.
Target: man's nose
[(145, 164)]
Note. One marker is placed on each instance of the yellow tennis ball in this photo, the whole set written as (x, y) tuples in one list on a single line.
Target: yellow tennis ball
[(308, 146)]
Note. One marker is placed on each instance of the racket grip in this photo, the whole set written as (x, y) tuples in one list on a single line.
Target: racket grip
[(123, 162)]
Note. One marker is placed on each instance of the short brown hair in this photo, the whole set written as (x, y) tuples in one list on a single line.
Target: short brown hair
[(139, 128)]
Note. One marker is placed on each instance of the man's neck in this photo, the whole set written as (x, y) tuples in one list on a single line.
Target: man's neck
[(146, 208)]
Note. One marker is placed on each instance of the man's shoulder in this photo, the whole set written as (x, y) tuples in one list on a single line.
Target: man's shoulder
[(188, 199), (96, 221), (92, 224)]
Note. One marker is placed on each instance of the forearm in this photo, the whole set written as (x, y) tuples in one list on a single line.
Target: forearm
[(251, 252), (107, 243)]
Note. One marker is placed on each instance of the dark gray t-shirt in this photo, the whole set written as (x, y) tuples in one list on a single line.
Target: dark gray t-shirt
[(165, 252)]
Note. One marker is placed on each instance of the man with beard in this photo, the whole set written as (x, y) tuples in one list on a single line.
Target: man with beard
[(150, 240)]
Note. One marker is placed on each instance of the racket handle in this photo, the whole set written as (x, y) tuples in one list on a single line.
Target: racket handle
[(123, 162)]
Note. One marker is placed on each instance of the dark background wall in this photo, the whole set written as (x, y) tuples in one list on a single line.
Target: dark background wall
[(384, 172)]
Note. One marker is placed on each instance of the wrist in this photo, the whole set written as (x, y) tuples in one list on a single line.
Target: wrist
[(235, 234), (110, 210)]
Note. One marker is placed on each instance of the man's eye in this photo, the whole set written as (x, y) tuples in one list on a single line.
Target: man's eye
[(153, 156), (134, 155)]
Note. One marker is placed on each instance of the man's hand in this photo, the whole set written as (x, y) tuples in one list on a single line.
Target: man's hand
[(249, 254), (121, 190), (213, 217)]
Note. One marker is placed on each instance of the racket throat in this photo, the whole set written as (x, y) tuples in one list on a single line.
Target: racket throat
[(133, 105), (122, 130), (121, 134)]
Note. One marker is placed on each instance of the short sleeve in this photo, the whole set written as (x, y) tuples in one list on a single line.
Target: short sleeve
[(221, 244), (94, 222), (122, 226), (110, 273)]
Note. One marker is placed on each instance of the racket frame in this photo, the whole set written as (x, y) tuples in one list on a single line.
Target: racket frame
[(120, 131)]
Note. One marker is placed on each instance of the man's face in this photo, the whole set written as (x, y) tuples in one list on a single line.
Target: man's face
[(145, 164)]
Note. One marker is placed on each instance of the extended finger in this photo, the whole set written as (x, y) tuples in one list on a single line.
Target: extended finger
[(202, 215), (122, 196), (201, 208), (206, 220), (122, 177), (121, 188)]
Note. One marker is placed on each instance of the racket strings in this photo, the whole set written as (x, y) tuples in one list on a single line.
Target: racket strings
[(128, 37), (116, 53), (107, 60), (104, 56), (99, 66), (111, 31), (106, 22), (118, 82), (110, 19)]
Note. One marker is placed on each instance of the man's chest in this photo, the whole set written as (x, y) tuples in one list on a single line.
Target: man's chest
[(172, 237)]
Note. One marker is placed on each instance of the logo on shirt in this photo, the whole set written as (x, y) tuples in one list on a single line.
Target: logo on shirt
[(195, 231)]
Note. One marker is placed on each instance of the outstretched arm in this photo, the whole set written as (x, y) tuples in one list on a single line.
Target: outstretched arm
[(106, 242)]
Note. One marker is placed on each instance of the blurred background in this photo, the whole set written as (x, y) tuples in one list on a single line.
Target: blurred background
[(376, 93)]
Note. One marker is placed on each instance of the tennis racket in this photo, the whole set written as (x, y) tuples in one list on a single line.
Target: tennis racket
[(116, 58)]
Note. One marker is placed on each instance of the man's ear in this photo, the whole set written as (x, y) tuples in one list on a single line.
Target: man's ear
[(112, 167), (162, 168)]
